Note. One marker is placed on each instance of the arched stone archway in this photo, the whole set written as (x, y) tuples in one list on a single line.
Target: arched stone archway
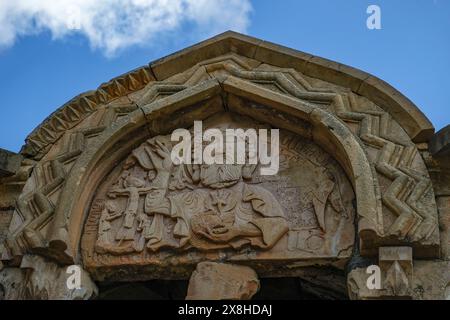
[(374, 137), (92, 166)]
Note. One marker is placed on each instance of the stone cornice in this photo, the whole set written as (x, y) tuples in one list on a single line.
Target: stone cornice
[(415, 123)]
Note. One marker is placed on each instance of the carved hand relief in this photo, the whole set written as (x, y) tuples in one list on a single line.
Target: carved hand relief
[(148, 207)]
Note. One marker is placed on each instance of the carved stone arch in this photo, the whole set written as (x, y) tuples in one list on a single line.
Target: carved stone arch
[(207, 99), (376, 135), (86, 174)]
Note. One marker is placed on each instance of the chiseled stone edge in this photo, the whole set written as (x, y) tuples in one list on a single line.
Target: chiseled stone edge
[(78, 108), (9, 163), (440, 143), (416, 124)]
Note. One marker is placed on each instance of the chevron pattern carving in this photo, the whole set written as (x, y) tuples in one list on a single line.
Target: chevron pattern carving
[(36, 207), (395, 160), (73, 112)]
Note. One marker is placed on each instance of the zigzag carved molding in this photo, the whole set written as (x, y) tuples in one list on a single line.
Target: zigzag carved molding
[(73, 112), (35, 207), (393, 159)]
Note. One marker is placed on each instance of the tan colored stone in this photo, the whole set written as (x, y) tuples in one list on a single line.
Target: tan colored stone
[(334, 72), (397, 269), (148, 204), (12, 283), (431, 280), (400, 107), (220, 281), (354, 153), (39, 279), (9, 163), (357, 286), (219, 45), (440, 143), (444, 224), (414, 122), (395, 276), (48, 281), (296, 111), (280, 56)]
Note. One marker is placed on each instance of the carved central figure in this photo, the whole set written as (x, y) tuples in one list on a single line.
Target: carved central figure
[(201, 206), (150, 209)]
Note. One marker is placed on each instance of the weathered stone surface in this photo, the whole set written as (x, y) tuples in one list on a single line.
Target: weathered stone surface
[(440, 143), (220, 281), (431, 280), (76, 110), (310, 111), (96, 187), (9, 163), (397, 269), (12, 283), (419, 128), (151, 211), (444, 224), (357, 286), (39, 279), (395, 279), (414, 121)]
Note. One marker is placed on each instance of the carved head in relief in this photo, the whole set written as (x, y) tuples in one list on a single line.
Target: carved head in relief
[(231, 171), (218, 176)]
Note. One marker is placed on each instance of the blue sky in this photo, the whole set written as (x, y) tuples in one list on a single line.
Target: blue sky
[(42, 65)]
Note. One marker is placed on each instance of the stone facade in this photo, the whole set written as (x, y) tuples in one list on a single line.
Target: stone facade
[(363, 180)]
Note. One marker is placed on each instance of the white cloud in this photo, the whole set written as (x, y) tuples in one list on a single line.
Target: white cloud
[(112, 25)]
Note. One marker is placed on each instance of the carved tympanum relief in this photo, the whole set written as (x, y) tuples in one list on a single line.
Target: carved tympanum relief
[(402, 200), (148, 207)]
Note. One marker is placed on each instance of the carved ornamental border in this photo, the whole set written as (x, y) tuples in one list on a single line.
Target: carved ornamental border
[(219, 77), (72, 113)]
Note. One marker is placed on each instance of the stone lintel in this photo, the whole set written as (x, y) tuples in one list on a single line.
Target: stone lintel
[(221, 281)]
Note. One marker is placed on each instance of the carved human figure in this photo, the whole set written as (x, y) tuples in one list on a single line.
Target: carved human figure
[(109, 213), (132, 187), (155, 158), (212, 207), (233, 214)]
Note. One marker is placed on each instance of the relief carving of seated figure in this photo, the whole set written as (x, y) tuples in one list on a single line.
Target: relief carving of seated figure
[(213, 207), (236, 213), (205, 207), (226, 211)]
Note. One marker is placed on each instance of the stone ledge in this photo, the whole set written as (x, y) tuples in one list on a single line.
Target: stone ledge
[(9, 163), (440, 143), (404, 111), (416, 124)]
